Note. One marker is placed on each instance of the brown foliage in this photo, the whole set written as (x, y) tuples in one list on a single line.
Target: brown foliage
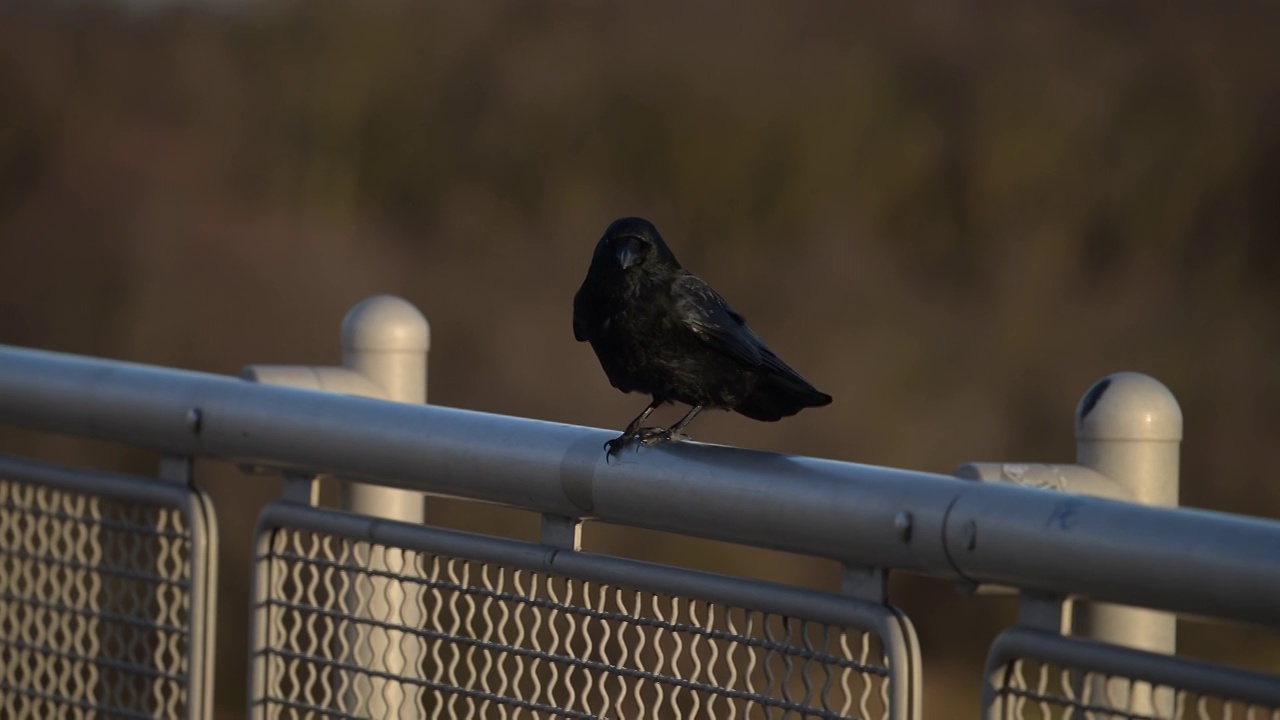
[(952, 216)]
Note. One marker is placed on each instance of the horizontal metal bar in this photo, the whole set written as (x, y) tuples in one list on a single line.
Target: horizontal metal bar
[(1162, 670), (423, 683), (757, 595), (109, 570), (95, 709), (1082, 709), (437, 638), (146, 671), (894, 632), (779, 648), (305, 709), (1190, 561), (802, 505), (116, 486), (981, 532), (145, 531), (8, 598)]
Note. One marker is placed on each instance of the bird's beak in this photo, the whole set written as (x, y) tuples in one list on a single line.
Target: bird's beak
[(629, 252)]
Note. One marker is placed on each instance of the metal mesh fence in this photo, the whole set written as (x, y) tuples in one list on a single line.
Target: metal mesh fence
[(1043, 677), (96, 611), (473, 638)]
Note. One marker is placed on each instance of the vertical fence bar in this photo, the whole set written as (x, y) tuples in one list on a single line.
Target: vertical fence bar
[(385, 339), (1129, 428), (202, 528)]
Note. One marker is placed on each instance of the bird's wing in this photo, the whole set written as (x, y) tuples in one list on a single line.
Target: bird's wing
[(704, 311)]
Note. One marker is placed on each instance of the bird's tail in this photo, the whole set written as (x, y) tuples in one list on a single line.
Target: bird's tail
[(778, 396)]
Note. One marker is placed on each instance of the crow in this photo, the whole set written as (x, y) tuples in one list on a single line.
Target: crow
[(659, 330)]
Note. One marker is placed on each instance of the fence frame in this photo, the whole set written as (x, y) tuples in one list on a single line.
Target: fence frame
[(892, 628), (171, 490), (1091, 543), (1023, 643)]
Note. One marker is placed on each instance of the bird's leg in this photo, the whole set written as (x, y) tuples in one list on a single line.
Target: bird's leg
[(675, 432), (635, 424), (633, 429), (676, 429)]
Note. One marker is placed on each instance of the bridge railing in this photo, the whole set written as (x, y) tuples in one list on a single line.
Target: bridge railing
[(366, 612)]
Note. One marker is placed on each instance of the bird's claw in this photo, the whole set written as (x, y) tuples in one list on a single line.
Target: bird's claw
[(653, 436), (645, 436), (615, 446)]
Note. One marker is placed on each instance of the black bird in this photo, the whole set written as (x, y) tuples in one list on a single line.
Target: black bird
[(660, 330)]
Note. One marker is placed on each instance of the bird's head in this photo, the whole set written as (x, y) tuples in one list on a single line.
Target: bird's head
[(634, 243)]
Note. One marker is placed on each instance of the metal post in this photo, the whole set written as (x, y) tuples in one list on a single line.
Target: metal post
[(1129, 428), (385, 340)]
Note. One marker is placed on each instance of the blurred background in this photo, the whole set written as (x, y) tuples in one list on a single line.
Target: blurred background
[(952, 216)]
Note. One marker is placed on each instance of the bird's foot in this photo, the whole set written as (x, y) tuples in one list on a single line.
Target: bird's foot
[(645, 436), (653, 436)]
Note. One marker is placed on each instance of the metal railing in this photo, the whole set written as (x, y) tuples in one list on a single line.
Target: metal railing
[(1034, 673), (106, 595), (366, 612), (515, 628)]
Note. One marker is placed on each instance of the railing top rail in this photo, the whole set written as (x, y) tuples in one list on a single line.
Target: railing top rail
[(858, 514)]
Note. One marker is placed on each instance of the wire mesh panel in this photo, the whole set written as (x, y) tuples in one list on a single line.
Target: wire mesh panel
[(1034, 675), (518, 630), (103, 592)]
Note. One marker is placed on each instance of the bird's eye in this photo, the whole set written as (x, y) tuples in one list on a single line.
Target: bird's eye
[(630, 241)]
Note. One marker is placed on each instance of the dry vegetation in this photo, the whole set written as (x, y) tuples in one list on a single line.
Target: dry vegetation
[(953, 217)]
